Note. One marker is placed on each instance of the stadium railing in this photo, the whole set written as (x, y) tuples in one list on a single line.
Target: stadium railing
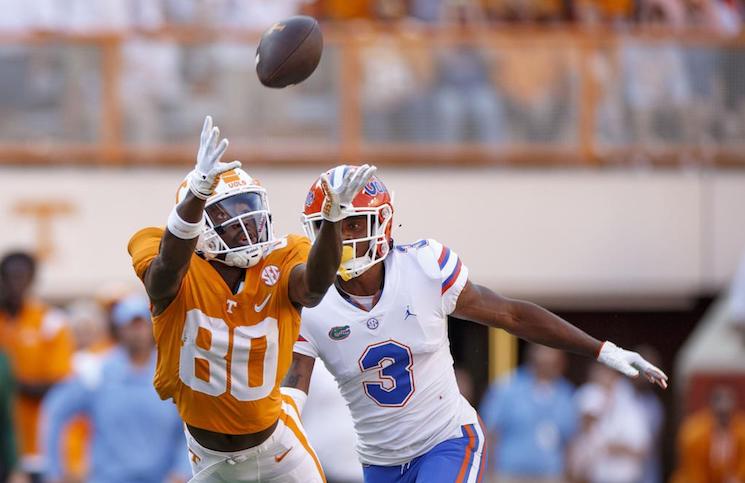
[(404, 94)]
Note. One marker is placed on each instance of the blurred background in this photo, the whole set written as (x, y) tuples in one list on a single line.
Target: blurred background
[(587, 155)]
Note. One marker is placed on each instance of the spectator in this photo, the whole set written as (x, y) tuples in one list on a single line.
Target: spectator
[(655, 417), (711, 442), (330, 429), (257, 14), (615, 440), (529, 418), (467, 105), (591, 401), (343, 9), (395, 89), (136, 436), (39, 346), (90, 332), (715, 16), (8, 451)]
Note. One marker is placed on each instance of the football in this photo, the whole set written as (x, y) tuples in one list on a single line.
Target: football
[(289, 51)]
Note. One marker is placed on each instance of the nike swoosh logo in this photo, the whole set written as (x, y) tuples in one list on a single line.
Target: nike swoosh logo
[(281, 456), (260, 307)]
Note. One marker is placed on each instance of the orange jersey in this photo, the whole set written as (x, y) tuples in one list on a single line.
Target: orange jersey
[(39, 346), (221, 357)]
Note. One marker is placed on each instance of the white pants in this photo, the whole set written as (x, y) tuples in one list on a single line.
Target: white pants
[(285, 457)]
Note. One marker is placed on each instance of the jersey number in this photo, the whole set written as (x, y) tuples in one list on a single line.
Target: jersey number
[(204, 358), (395, 383)]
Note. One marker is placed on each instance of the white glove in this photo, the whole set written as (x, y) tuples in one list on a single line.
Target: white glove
[(630, 363), (337, 202), (204, 177)]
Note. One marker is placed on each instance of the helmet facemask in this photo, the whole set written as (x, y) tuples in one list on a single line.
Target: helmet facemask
[(238, 228), (378, 226)]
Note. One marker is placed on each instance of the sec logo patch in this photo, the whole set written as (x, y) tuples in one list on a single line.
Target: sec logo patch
[(270, 275)]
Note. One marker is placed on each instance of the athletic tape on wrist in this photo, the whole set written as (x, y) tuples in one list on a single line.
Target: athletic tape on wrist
[(183, 229), (196, 192), (298, 396)]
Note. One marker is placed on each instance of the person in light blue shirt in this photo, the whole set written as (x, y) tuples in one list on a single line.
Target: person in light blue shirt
[(530, 417), (136, 437)]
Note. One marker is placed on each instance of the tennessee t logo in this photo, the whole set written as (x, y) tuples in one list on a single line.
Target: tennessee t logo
[(231, 304)]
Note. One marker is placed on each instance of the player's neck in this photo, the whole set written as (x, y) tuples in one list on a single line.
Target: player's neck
[(233, 276), (367, 284)]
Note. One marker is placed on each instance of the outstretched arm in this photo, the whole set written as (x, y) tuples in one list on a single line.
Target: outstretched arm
[(536, 324), (309, 282), (163, 277)]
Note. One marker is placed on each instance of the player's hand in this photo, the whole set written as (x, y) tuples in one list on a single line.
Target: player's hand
[(630, 363), (338, 194), (203, 178)]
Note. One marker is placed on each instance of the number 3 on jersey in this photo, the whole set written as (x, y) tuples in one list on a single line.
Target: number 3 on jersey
[(395, 383), (203, 363)]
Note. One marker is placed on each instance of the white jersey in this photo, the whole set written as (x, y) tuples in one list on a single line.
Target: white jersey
[(393, 363)]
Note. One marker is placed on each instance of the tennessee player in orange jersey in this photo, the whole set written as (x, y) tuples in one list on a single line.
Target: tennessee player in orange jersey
[(39, 346), (226, 298)]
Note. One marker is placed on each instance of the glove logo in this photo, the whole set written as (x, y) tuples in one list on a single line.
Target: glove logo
[(374, 187)]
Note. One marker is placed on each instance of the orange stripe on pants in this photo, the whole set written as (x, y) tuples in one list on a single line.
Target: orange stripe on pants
[(291, 402), (469, 452), (290, 423)]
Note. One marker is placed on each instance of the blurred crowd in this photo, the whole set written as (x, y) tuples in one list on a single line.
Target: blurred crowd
[(77, 404), (645, 91), (723, 16), (608, 430)]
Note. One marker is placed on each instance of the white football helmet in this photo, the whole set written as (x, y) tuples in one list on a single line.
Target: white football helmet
[(238, 225)]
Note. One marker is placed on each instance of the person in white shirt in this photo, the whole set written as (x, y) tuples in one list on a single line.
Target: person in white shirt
[(615, 439), (382, 332)]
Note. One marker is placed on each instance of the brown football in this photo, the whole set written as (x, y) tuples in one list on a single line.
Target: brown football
[(289, 51)]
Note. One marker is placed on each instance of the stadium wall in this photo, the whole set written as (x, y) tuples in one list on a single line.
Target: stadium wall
[(579, 234)]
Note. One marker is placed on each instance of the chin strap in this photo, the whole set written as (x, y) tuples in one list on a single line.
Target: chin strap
[(349, 267), (243, 258)]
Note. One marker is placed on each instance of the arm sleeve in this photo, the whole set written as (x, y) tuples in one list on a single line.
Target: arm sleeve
[(61, 404), (305, 345), (453, 274)]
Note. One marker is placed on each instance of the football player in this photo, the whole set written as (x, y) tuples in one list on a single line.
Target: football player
[(382, 332), (226, 297)]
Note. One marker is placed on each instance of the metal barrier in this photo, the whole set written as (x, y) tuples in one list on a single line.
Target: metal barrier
[(400, 94)]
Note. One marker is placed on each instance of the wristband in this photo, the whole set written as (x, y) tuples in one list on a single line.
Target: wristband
[(183, 229), (298, 397)]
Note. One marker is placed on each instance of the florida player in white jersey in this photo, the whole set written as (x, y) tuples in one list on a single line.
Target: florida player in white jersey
[(382, 332)]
